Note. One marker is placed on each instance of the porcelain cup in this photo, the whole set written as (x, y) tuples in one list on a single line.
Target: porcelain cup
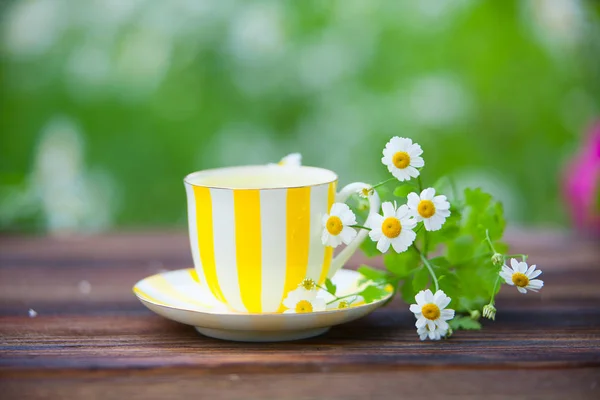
[(255, 231)]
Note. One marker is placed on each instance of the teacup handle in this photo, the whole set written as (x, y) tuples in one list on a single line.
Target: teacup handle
[(374, 204)]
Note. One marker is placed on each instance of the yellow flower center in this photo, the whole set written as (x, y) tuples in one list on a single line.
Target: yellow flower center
[(343, 304), (391, 227), (430, 311), (308, 284), (426, 208), (334, 225), (520, 279), (401, 159), (304, 306), (366, 192)]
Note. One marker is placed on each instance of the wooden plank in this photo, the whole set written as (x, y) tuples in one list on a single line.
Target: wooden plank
[(434, 384), (106, 344)]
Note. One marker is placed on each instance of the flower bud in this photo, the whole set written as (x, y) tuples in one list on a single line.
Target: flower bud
[(489, 312), (475, 314), (498, 259)]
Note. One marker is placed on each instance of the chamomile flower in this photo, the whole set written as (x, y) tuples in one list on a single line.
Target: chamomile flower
[(346, 303), (429, 208), (303, 301), (433, 334), (366, 192), (403, 157), (521, 276), (431, 311), (337, 225), (291, 160), (394, 227)]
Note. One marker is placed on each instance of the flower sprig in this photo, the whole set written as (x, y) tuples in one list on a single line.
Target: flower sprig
[(465, 236)]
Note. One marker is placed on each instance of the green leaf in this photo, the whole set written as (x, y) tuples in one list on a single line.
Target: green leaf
[(420, 280), (440, 262), (401, 264), (331, 288), (372, 293), (373, 274), (464, 323), (482, 213)]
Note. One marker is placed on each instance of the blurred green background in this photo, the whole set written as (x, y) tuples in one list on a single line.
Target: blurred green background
[(105, 105)]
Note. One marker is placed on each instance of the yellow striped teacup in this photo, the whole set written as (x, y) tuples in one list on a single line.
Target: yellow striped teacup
[(255, 231)]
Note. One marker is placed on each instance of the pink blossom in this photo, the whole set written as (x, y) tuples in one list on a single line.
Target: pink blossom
[(582, 183)]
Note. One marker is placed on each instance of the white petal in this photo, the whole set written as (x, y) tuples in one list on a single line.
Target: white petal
[(440, 299), (337, 208), (430, 325), (325, 237), (514, 264), (388, 209), (334, 241), (399, 245), (428, 194), (421, 322), (412, 171), (417, 162), (433, 335), (348, 234), (443, 325), (441, 202), (325, 219), (383, 245), (290, 311), (535, 284), (522, 290), (530, 270), (348, 217), (375, 234), (522, 267), (420, 298), (403, 211), (386, 160), (428, 296), (413, 200), (400, 174), (414, 308), (407, 237), (375, 221), (428, 224), (507, 277), (535, 274), (447, 314), (415, 150)]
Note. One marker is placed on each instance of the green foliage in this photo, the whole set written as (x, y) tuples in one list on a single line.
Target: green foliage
[(463, 265), (372, 293), (466, 323), (330, 287)]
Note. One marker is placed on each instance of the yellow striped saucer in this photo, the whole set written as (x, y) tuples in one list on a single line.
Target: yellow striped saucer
[(178, 296)]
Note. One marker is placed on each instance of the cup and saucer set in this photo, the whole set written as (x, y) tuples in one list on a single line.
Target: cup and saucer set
[(255, 234)]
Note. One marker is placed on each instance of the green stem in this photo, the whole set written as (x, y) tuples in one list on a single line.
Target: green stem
[(383, 183), (489, 241), (429, 268), (493, 298), (360, 227), (420, 183), (523, 256), (425, 243), (343, 297)]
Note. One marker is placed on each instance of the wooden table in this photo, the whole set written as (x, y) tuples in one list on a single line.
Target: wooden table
[(93, 339)]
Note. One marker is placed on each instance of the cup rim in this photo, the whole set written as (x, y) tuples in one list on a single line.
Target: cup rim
[(188, 177)]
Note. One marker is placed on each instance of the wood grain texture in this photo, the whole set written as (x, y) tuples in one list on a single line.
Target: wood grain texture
[(105, 344)]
